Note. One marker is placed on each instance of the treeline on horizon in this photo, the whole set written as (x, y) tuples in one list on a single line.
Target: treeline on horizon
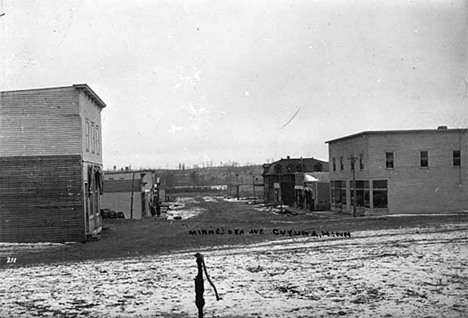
[(245, 176)]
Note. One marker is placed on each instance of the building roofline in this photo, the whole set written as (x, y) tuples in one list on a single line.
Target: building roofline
[(297, 159), (81, 87), (383, 132), (131, 171), (90, 93)]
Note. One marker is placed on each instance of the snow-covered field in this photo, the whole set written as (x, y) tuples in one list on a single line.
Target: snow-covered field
[(390, 273)]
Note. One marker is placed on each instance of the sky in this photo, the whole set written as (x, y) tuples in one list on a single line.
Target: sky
[(206, 81)]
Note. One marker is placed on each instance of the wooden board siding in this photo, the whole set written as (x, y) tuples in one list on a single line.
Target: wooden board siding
[(121, 201), (41, 199), (40, 122), (122, 186)]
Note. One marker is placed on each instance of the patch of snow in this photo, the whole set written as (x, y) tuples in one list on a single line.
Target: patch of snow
[(7, 249), (408, 272), (210, 199), (184, 213)]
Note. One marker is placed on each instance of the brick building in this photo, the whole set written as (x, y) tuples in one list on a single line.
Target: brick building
[(400, 171), (279, 177), (50, 164)]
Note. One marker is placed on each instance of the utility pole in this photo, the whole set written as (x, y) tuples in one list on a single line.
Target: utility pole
[(253, 185), (237, 186), (131, 199), (280, 194), (353, 162)]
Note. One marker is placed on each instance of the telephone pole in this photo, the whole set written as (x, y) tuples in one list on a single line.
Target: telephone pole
[(353, 162)]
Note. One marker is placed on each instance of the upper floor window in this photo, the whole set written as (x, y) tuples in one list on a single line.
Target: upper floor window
[(87, 134), (93, 138), (389, 160), (456, 158), (341, 164), (424, 159), (318, 166), (334, 164), (98, 140), (361, 162)]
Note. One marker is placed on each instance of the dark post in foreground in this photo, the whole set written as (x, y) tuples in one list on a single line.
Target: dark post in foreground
[(199, 285)]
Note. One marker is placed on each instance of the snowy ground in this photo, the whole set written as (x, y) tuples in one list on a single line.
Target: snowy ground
[(393, 273), (180, 209)]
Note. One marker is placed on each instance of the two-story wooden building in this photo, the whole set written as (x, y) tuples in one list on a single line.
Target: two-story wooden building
[(50, 164), (400, 171)]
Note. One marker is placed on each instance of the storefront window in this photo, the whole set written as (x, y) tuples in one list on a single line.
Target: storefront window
[(380, 193), (338, 192), (362, 193)]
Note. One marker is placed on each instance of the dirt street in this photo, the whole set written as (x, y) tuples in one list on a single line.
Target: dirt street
[(418, 270)]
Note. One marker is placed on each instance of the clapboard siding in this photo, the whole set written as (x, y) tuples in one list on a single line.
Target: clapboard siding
[(41, 199), (122, 185), (40, 122)]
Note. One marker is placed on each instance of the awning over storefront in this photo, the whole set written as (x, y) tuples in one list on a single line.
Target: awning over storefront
[(309, 178)]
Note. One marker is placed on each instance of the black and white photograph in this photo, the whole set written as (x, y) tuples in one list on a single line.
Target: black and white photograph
[(233, 158)]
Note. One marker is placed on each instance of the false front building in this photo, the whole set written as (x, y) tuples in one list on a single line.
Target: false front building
[(400, 171), (50, 164)]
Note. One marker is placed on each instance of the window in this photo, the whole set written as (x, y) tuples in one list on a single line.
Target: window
[(361, 162), (380, 193), (424, 159), (334, 164), (278, 168), (362, 193), (93, 138), (338, 193), (389, 160), (456, 158), (341, 164), (87, 135), (318, 166), (98, 140), (379, 184)]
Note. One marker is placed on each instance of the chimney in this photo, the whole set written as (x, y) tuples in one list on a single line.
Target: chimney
[(442, 128), (288, 157)]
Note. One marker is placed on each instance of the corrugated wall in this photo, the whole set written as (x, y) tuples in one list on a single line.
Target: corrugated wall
[(41, 199)]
